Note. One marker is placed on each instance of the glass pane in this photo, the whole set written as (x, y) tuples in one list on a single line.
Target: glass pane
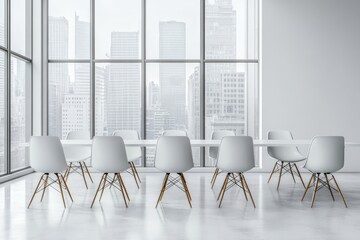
[(21, 27), (69, 98), (118, 97), (20, 112), (69, 29), (173, 102), (118, 25), (173, 29), (231, 29), (231, 100), (2, 113), (2, 23)]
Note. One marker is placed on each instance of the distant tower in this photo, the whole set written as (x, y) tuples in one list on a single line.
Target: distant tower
[(172, 75), (123, 106), (58, 72)]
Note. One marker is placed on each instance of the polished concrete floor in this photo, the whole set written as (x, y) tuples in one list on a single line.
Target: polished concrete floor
[(279, 214)]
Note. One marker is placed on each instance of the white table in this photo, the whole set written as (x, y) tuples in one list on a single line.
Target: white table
[(208, 143)]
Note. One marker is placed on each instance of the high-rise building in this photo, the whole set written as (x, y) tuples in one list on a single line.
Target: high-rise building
[(123, 102), (58, 72), (225, 87), (172, 75), (154, 95), (76, 101), (193, 108), (221, 44)]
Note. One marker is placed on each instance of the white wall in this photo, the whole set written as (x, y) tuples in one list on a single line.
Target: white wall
[(311, 70)]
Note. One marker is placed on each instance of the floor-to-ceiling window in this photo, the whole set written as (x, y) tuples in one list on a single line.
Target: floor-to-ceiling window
[(15, 84), (153, 65)]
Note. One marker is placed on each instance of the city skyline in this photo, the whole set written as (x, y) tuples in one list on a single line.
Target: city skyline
[(173, 93)]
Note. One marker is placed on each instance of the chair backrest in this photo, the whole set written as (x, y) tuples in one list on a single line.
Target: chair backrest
[(218, 135), (174, 133), (47, 154), (236, 154), (133, 153), (109, 154), (77, 152), (173, 154), (281, 153), (326, 154)]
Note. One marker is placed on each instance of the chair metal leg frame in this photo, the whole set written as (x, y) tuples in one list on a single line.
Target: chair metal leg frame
[(106, 181), (239, 181), (74, 168), (283, 168), (170, 181), (323, 183), (43, 184)]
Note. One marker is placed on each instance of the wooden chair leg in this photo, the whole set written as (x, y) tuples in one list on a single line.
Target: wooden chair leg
[(68, 173), (61, 190), (315, 190), (162, 188), (102, 178), (224, 188), (45, 185), (185, 188), (122, 187), (281, 169), (329, 187), (67, 188), (134, 175), (213, 177), (83, 175), (243, 186), (292, 174), (104, 183), (187, 192), (307, 187), (216, 175), (299, 175), (248, 189), (136, 172), (339, 190), (272, 172), (87, 170), (37, 186)]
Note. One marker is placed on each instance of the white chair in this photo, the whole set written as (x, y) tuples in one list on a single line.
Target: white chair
[(213, 151), (47, 156), (174, 155), (133, 153), (286, 157), (175, 133), (109, 156), (236, 156), (77, 155), (326, 156)]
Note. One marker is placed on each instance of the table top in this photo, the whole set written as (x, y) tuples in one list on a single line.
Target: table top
[(207, 143)]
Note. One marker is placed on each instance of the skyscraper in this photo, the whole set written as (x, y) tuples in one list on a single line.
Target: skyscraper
[(76, 102), (123, 106), (223, 82), (58, 72), (172, 75)]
